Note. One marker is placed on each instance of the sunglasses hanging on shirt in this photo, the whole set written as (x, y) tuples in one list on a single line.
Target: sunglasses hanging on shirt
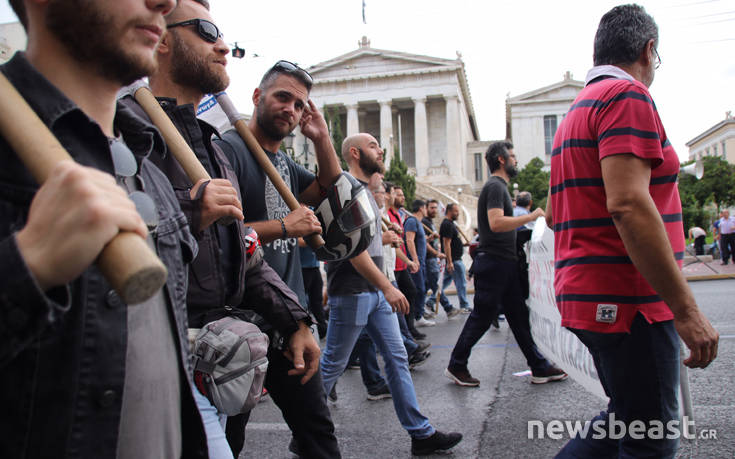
[(125, 167)]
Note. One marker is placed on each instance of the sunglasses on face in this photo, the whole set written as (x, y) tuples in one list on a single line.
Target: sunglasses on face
[(290, 67), (207, 30)]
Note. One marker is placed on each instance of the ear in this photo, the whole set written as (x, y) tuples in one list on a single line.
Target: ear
[(647, 54), (256, 96), (165, 46)]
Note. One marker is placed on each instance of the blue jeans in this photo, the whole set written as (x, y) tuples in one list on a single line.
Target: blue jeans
[(417, 302), (348, 316), (460, 282), (217, 445), (497, 284), (432, 281), (640, 373)]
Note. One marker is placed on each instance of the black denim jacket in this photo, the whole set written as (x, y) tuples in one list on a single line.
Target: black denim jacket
[(214, 284), (62, 352)]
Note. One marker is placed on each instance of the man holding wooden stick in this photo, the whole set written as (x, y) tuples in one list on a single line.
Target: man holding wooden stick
[(192, 60), (113, 378), (281, 103)]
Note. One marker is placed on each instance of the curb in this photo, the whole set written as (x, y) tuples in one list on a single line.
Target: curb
[(710, 277)]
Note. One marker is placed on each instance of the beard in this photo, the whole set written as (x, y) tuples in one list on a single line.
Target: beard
[(192, 71), (93, 37), (369, 165), (511, 170), (266, 123)]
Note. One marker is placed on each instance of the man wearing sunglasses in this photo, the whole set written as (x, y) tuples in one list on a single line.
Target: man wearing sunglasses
[(84, 374), (281, 103), (192, 60)]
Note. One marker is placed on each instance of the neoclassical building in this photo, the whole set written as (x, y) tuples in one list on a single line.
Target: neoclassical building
[(532, 118), (418, 107), (719, 140)]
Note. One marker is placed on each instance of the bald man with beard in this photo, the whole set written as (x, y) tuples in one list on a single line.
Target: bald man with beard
[(362, 297)]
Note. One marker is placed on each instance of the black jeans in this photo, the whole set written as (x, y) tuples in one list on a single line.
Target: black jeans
[(497, 284), (314, 286), (727, 246), (304, 408), (407, 287)]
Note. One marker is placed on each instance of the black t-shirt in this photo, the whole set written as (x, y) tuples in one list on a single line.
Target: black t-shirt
[(449, 230), (495, 195), (343, 278), (261, 201), (435, 243)]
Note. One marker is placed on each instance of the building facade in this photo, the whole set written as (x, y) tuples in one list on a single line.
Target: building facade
[(532, 118), (718, 141), (418, 107)]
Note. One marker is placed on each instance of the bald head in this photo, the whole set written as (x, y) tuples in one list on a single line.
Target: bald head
[(362, 152)]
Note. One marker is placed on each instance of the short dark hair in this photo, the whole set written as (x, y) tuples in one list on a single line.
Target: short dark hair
[(388, 186), (417, 204), (274, 72), (432, 201), (524, 199), (450, 206), (495, 151), (20, 10), (622, 35)]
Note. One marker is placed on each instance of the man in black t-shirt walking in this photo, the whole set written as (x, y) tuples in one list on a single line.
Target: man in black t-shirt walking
[(453, 249), (496, 274)]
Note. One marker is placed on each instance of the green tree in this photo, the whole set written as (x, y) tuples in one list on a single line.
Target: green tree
[(717, 187), (398, 174), (334, 122), (532, 178)]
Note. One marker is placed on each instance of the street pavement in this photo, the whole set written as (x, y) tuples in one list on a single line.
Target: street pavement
[(494, 417)]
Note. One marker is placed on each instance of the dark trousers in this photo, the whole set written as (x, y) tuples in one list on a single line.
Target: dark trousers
[(314, 286), (417, 301), (727, 246), (406, 286), (497, 285), (304, 408), (699, 245), (640, 373)]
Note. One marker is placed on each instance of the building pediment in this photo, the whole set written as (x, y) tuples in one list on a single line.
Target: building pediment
[(375, 63), (563, 90)]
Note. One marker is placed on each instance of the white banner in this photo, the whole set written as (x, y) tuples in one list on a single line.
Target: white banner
[(554, 341)]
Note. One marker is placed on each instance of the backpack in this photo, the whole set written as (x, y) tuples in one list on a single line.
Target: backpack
[(230, 362)]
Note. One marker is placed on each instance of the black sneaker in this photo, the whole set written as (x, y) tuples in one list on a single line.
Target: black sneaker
[(437, 442), (422, 346), (417, 359), (551, 373), (379, 394), (417, 335), (461, 377), (333, 394)]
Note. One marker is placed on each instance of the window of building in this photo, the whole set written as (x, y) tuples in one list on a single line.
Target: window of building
[(478, 167), (724, 153), (549, 132), (715, 150)]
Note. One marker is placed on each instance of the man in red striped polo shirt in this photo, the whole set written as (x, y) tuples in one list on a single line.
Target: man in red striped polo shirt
[(619, 241)]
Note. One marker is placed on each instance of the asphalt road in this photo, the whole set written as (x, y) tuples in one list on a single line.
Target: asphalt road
[(494, 417)]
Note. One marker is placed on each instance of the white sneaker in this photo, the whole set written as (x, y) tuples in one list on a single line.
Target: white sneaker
[(425, 323)]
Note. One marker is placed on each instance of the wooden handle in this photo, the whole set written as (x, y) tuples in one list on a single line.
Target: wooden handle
[(461, 233), (314, 240), (175, 142), (128, 264), (390, 224)]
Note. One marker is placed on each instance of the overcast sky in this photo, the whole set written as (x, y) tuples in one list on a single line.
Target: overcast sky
[(509, 47)]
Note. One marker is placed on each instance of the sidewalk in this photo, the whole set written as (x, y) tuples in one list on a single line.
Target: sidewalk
[(708, 271)]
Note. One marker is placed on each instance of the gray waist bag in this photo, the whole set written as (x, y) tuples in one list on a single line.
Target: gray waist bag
[(230, 364)]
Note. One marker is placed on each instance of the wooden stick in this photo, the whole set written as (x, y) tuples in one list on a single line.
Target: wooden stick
[(128, 264), (390, 224), (429, 230), (385, 228), (461, 233), (174, 140), (314, 240)]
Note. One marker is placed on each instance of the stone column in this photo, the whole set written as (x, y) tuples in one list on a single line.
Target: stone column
[(386, 126), (455, 152), (353, 123), (421, 136)]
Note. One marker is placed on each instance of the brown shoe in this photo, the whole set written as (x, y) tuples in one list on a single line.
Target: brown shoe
[(461, 377)]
